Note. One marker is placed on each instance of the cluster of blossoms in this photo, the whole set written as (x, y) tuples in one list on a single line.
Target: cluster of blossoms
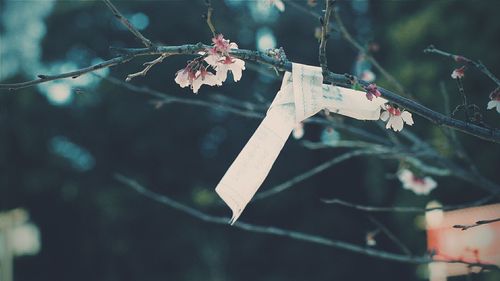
[(495, 100), (395, 118), (421, 186), (196, 74)]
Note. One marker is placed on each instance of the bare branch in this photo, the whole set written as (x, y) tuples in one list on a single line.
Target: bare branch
[(166, 99), (325, 30), (210, 11), (316, 170), (478, 223), (127, 24), (42, 78), (271, 230), (366, 208), (148, 65), (458, 58), (349, 38), (391, 236)]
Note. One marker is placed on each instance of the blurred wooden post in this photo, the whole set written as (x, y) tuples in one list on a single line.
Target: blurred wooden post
[(9, 220)]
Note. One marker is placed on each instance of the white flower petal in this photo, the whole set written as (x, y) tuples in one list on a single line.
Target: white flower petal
[(389, 123), (182, 78), (492, 104), (279, 5), (237, 68), (405, 175), (233, 45), (196, 85), (397, 123), (384, 116), (406, 116), (213, 60), (221, 72)]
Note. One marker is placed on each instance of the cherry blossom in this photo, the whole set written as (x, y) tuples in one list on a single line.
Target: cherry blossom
[(220, 44), (458, 73), (396, 118), (371, 90), (278, 4), (184, 77), (204, 77), (196, 73), (218, 57), (188, 77), (421, 186), (368, 76), (236, 66), (495, 100)]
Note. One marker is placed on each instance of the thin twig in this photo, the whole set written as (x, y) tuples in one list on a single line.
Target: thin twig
[(325, 33), (391, 236), (127, 24), (458, 58), (478, 223), (316, 170), (166, 99), (349, 38), (271, 230), (210, 11), (396, 209), (148, 65)]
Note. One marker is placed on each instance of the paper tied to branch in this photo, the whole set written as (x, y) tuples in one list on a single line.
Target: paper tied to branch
[(302, 95)]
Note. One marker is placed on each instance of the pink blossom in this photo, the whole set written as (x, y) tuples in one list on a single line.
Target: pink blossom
[(204, 77), (187, 77), (495, 100), (395, 118), (236, 66), (278, 4), (458, 73), (461, 59), (184, 77), (222, 62), (371, 90), (220, 44), (368, 76), (421, 186)]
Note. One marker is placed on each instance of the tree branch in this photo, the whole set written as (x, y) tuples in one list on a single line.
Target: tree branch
[(308, 174), (458, 58), (148, 65), (478, 223), (391, 236), (325, 30), (270, 230), (127, 24), (489, 134), (210, 11), (366, 208)]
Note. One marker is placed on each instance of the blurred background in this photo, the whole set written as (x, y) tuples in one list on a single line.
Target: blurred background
[(61, 142)]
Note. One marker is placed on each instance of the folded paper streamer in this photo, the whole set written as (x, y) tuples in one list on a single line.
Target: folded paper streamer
[(302, 95)]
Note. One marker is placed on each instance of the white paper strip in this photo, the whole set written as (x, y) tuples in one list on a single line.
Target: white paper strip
[(302, 95)]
